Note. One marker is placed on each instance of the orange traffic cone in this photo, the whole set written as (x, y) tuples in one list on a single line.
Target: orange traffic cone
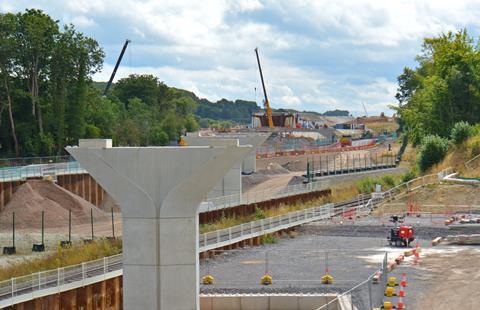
[(400, 304), (403, 282), (416, 254)]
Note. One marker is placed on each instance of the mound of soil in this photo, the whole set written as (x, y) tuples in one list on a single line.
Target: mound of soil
[(250, 181), (296, 180), (34, 196), (274, 168), (296, 165)]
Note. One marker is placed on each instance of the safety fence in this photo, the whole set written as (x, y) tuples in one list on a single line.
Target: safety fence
[(18, 173), (216, 203), (416, 184), (367, 294), (227, 236), (35, 229), (26, 161), (268, 152), (28, 287), (473, 163)]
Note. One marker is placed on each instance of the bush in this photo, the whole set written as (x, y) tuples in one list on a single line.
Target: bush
[(268, 239), (432, 151), (259, 214), (366, 185), (408, 176), (475, 148), (461, 131), (387, 181)]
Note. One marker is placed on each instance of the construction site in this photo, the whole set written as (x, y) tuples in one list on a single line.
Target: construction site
[(279, 230), (290, 213), (294, 211)]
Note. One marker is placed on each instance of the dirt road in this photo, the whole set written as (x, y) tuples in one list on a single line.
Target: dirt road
[(450, 279)]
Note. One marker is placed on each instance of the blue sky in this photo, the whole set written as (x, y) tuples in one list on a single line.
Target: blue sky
[(316, 55)]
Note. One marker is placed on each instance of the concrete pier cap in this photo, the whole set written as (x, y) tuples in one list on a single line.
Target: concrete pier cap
[(255, 139), (159, 190)]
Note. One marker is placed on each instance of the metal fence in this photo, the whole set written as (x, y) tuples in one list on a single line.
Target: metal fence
[(26, 161), (416, 183), (473, 163), (365, 295), (218, 238), (222, 202), (60, 279), (40, 170)]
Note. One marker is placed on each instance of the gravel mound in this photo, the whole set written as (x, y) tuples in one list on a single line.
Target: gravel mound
[(274, 168), (34, 196), (252, 180), (295, 165)]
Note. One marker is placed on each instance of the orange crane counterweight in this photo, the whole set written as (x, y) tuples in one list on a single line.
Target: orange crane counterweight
[(268, 111)]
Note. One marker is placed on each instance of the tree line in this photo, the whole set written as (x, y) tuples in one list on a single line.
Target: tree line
[(48, 99), (443, 89)]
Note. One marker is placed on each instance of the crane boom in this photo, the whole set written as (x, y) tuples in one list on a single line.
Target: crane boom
[(109, 84), (266, 104), (366, 114)]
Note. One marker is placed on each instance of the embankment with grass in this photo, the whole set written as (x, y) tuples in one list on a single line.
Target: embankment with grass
[(62, 257)]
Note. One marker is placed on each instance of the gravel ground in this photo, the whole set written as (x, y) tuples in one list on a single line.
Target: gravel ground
[(354, 253), (296, 266)]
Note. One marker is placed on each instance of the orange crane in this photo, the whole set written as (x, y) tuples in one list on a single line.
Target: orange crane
[(268, 111)]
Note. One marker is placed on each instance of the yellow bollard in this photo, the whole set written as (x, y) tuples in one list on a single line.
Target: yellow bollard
[(327, 279), (266, 280), (208, 279), (387, 305), (392, 281), (390, 292)]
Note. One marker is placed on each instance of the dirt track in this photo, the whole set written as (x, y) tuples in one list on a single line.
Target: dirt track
[(450, 280)]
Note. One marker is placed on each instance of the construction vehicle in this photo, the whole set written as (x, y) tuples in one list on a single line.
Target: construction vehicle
[(400, 235), (119, 60), (346, 140), (266, 104)]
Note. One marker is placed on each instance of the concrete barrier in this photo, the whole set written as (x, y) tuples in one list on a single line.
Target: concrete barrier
[(266, 302)]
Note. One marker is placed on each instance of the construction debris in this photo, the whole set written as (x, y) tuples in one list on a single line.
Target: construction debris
[(473, 239)]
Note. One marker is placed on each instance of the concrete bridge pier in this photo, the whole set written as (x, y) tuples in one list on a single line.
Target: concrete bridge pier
[(159, 190)]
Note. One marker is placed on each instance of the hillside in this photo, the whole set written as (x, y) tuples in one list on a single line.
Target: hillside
[(239, 111), (460, 154)]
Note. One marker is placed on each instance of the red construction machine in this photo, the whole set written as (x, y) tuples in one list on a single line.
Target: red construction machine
[(400, 235)]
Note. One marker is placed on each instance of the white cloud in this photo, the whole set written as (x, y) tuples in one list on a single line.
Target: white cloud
[(316, 54), (83, 21)]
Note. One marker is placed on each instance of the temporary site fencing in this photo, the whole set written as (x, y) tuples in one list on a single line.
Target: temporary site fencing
[(367, 294), (22, 229), (272, 151)]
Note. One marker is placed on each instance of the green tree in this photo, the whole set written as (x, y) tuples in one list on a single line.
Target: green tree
[(35, 38), (432, 151), (7, 56), (443, 89), (145, 87)]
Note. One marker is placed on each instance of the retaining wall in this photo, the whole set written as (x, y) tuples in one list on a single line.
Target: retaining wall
[(247, 209)]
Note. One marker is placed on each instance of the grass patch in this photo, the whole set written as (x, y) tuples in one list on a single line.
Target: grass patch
[(225, 222), (62, 257), (268, 239)]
